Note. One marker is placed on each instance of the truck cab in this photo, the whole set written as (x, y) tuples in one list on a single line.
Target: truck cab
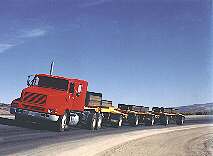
[(53, 98)]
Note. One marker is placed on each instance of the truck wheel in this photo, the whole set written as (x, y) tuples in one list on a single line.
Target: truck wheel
[(62, 123), (92, 119), (99, 121)]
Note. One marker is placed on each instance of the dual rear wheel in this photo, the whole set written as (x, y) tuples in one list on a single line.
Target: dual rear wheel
[(117, 120), (134, 121), (180, 120), (149, 121), (165, 120), (95, 121)]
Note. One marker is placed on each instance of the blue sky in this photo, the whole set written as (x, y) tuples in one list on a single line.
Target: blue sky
[(144, 52)]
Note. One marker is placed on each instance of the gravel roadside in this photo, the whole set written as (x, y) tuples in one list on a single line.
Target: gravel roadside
[(97, 144), (190, 142)]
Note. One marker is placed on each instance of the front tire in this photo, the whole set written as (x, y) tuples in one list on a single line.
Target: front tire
[(62, 123)]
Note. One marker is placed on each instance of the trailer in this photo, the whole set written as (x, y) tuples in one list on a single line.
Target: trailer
[(136, 115), (165, 116), (107, 114)]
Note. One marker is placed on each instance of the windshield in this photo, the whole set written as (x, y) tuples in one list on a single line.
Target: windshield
[(49, 82)]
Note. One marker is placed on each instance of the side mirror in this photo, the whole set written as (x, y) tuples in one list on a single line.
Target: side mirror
[(79, 90)]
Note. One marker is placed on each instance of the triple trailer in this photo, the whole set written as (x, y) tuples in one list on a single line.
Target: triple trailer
[(66, 102)]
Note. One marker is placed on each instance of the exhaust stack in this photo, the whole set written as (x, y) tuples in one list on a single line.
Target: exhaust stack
[(51, 68)]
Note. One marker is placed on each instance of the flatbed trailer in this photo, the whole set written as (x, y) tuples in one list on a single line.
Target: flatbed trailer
[(165, 116), (107, 116), (136, 115)]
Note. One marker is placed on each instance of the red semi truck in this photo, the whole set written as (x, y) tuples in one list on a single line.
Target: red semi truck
[(55, 98)]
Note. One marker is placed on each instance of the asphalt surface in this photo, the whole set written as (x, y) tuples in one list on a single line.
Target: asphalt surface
[(17, 138)]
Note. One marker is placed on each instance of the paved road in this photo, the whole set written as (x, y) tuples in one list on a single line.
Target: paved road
[(15, 138)]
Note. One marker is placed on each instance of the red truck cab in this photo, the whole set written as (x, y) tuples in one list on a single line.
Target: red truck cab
[(51, 98)]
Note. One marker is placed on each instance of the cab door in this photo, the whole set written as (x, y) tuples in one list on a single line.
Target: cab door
[(76, 96)]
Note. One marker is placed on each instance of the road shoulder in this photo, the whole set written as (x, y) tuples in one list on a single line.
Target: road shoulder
[(98, 144)]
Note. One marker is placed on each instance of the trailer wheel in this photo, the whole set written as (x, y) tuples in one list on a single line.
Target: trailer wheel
[(99, 121), (149, 121), (152, 121), (135, 121), (92, 119), (62, 123), (120, 121), (165, 120), (180, 120)]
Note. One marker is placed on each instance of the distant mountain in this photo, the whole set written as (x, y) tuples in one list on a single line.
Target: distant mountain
[(197, 108), (4, 109)]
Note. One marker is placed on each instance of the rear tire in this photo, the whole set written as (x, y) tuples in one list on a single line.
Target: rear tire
[(92, 119)]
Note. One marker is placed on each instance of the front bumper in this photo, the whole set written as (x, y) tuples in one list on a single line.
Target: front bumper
[(33, 115)]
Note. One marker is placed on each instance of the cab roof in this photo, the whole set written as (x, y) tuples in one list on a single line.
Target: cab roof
[(61, 77)]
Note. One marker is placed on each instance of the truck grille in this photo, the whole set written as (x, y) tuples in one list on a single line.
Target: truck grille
[(34, 108), (34, 98)]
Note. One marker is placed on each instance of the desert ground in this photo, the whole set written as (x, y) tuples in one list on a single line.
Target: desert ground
[(190, 142)]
